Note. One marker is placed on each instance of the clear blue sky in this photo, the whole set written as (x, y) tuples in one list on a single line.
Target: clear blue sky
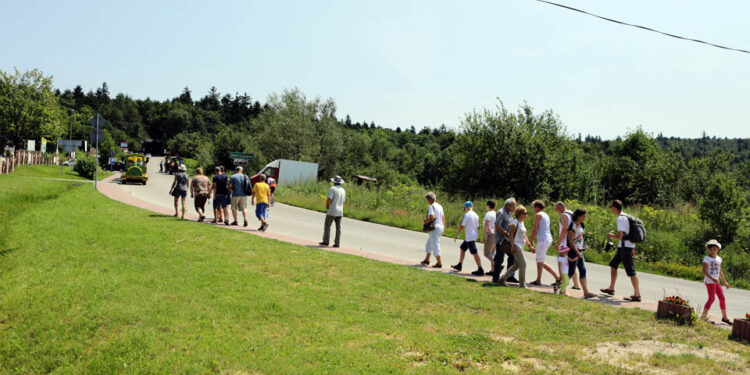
[(403, 63)]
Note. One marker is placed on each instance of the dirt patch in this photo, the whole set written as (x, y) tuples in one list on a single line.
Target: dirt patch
[(498, 338), (622, 354)]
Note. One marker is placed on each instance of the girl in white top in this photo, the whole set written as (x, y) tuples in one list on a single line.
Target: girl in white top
[(541, 233), (566, 217), (434, 215), (712, 272)]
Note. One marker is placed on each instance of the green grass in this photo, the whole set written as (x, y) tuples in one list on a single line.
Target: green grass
[(674, 246), (52, 171), (108, 288)]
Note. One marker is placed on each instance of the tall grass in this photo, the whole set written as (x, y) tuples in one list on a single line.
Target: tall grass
[(675, 236)]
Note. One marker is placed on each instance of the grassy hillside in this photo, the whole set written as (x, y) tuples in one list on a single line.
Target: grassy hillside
[(674, 246), (89, 285), (51, 171)]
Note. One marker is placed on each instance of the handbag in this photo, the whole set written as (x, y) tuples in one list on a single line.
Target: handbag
[(506, 247), (428, 227)]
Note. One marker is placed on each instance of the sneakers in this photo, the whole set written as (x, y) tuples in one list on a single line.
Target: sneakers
[(234, 223), (478, 272), (226, 222), (556, 287), (512, 279), (245, 225), (457, 267), (319, 243), (265, 227)]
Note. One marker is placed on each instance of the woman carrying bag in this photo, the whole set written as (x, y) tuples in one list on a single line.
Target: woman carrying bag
[(434, 224)]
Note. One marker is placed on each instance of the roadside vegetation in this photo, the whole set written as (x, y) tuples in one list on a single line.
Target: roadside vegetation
[(675, 236), (90, 285)]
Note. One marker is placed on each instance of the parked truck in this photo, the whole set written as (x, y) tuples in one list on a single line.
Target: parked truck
[(288, 172)]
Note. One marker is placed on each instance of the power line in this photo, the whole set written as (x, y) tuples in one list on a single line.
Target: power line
[(643, 27)]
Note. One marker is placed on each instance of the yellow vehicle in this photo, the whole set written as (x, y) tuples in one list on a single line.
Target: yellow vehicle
[(134, 170)]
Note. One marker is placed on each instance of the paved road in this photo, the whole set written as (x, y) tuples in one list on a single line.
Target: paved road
[(408, 245)]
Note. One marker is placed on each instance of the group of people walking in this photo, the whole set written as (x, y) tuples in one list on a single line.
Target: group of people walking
[(506, 237), (505, 234), (227, 192)]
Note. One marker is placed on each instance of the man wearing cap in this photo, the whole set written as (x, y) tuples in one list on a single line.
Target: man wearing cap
[(261, 195), (239, 195), (335, 206), (470, 222), (179, 189)]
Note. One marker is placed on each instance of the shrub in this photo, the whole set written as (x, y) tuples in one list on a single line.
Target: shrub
[(723, 206), (85, 165)]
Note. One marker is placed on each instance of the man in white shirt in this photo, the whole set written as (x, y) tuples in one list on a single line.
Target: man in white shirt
[(335, 206), (470, 222), (624, 254), (489, 234)]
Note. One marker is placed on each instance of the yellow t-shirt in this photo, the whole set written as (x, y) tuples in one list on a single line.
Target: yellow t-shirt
[(262, 192)]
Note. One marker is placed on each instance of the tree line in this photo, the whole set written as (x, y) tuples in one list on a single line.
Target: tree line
[(494, 152)]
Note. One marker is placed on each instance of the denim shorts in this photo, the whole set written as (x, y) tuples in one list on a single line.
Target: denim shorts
[(469, 245), (221, 201), (261, 211)]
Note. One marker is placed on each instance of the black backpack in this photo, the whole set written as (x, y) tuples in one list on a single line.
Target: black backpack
[(636, 231)]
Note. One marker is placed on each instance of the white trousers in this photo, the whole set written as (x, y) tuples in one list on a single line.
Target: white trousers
[(432, 245)]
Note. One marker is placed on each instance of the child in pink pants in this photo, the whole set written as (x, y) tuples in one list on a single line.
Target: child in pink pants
[(712, 272)]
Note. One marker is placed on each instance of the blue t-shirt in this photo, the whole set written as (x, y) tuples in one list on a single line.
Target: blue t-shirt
[(238, 185), (221, 184)]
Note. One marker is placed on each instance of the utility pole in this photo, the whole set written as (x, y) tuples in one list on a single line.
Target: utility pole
[(96, 171)]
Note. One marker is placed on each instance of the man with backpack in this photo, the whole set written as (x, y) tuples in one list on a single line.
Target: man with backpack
[(629, 231)]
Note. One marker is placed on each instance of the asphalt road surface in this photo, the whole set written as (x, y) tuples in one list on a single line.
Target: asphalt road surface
[(408, 245)]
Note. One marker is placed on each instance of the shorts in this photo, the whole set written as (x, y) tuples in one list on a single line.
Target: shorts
[(624, 255), (470, 245), (239, 203), (273, 188), (200, 201), (179, 193), (221, 201), (261, 211), (541, 251)]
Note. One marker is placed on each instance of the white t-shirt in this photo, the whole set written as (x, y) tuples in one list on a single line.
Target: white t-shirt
[(337, 195), (624, 226), (436, 210), (471, 225), (489, 216), (714, 268), (520, 238), (543, 235)]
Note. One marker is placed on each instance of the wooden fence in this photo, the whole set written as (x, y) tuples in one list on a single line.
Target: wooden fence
[(22, 157)]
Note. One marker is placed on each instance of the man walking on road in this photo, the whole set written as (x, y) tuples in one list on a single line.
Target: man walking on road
[(221, 196), (335, 206), (261, 195), (239, 195), (625, 253), (502, 237), (199, 187)]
